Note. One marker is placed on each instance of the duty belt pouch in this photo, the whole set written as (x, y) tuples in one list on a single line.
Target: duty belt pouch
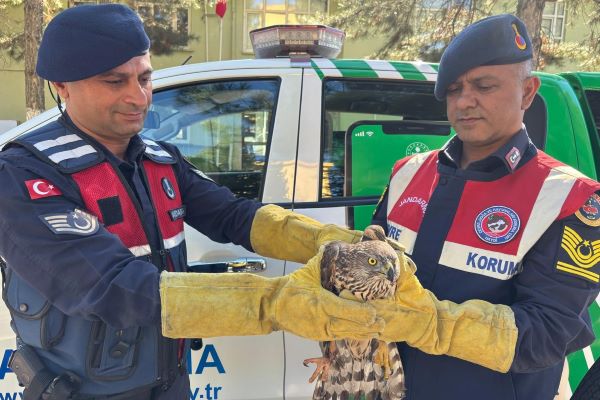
[(39, 382), (35, 320)]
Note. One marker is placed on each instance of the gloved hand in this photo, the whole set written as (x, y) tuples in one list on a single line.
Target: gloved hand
[(237, 304), (475, 331), (282, 234)]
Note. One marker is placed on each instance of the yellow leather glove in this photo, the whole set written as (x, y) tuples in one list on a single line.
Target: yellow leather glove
[(283, 234), (237, 304), (475, 331)]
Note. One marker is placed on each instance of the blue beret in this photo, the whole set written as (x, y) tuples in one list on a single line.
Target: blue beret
[(496, 40), (87, 40)]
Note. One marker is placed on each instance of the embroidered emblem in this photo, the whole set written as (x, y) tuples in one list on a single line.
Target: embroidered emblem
[(589, 213), (177, 213), (519, 40), (497, 224), (582, 255), (40, 188), (76, 222), (513, 157), (168, 188), (416, 148)]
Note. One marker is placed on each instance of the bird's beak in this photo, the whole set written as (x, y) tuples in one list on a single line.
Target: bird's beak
[(390, 271)]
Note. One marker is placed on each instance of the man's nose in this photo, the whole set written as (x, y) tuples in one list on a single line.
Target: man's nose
[(136, 94), (466, 98)]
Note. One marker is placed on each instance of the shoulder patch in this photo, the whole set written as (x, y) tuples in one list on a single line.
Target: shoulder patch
[(579, 255), (196, 171), (76, 222), (589, 213), (202, 174), (155, 152)]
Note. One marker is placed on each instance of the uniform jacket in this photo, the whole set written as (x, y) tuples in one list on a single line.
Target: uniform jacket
[(85, 236), (515, 228)]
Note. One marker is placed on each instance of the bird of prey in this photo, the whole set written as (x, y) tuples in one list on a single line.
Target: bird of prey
[(359, 369)]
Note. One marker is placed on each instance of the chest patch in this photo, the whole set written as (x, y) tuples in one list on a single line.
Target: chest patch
[(580, 256), (168, 188), (589, 213), (497, 224)]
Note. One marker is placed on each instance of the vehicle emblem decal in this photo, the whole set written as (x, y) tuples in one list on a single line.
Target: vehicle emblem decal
[(168, 188), (416, 148), (76, 222), (40, 188), (589, 213), (497, 224)]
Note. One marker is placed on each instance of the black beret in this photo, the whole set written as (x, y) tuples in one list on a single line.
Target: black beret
[(495, 40), (87, 40)]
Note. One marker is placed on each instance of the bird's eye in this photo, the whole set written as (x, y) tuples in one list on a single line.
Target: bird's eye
[(372, 261)]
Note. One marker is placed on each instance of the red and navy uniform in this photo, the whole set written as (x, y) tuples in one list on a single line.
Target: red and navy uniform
[(517, 228), (85, 236)]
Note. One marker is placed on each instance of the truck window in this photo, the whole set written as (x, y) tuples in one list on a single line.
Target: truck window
[(593, 98), (223, 128), (381, 122)]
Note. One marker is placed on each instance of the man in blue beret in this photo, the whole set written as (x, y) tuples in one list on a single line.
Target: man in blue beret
[(91, 228), (506, 249)]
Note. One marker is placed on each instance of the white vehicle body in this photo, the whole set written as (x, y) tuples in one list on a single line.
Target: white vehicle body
[(267, 128)]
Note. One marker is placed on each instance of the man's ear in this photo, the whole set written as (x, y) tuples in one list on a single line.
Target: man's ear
[(61, 89), (531, 85)]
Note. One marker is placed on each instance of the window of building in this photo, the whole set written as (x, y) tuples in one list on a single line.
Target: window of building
[(223, 128), (261, 13), (179, 18), (553, 20)]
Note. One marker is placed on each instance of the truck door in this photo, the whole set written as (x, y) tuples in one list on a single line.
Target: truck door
[(337, 95), (241, 132)]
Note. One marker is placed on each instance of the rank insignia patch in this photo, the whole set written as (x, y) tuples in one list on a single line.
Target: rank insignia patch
[(76, 222), (589, 213), (581, 255)]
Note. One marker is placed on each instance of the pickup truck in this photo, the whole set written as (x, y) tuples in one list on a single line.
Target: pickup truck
[(318, 136)]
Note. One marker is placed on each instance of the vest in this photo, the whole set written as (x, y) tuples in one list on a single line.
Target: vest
[(496, 222), (106, 359), (486, 232)]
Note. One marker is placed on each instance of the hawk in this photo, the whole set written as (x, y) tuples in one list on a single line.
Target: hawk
[(359, 369)]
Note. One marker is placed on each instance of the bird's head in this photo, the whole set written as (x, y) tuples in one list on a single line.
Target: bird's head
[(368, 269)]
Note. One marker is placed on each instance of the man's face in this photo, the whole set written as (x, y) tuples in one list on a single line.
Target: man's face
[(111, 106), (486, 104)]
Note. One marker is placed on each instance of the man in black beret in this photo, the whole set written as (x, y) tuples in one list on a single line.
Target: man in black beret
[(91, 228), (504, 246)]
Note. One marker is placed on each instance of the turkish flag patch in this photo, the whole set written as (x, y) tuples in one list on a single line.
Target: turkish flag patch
[(39, 188)]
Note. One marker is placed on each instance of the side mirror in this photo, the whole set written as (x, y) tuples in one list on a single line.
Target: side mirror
[(152, 120)]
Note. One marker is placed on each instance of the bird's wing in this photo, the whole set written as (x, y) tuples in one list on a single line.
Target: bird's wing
[(394, 387), (328, 260)]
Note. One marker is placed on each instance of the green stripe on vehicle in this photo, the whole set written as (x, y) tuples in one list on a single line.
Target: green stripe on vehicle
[(577, 368), (594, 310), (317, 69), (408, 71), (355, 68)]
